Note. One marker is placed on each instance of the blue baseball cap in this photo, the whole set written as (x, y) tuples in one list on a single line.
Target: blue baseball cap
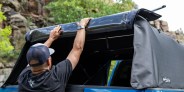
[(39, 52)]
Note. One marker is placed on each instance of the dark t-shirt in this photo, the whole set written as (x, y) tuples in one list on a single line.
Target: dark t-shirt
[(53, 80)]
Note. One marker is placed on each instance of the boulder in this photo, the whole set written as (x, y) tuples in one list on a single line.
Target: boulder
[(1, 65), (164, 26), (14, 4), (19, 21), (19, 26), (9, 65)]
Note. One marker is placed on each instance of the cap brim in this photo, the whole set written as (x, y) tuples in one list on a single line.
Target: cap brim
[(51, 51)]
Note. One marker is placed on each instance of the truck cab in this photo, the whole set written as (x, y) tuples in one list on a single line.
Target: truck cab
[(146, 59)]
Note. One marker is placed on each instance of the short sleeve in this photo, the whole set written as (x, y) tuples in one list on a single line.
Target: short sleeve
[(63, 70)]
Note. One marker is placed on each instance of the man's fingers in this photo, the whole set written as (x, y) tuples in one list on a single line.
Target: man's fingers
[(57, 29), (78, 23), (60, 31)]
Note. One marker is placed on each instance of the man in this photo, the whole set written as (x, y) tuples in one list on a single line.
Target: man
[(41, 76)]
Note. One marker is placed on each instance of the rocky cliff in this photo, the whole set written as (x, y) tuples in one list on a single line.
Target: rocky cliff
[(177, 35), (23, 16), (5, 70)]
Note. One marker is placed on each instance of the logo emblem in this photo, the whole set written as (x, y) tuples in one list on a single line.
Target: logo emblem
[(167, 80), (31, 83)]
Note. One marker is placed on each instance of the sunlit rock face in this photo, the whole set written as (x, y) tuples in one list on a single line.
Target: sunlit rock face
[(5, 70), (177, 34), (23, 16)]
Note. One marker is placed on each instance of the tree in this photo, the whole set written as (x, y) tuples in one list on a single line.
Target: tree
[(5, 45), (65, 11)]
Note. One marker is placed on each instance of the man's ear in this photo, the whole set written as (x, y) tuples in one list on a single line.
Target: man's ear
[(49, 62)]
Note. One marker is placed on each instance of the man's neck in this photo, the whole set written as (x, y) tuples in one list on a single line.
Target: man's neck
[(39, 71)]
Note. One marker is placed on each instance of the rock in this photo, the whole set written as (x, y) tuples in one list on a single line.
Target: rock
[(16, 4), (32, 26), (19, 21), (17, 38), (177, 35), (2, 78), (9, 65), (164, 25), (157, 24), (6, 9), (6, 2), (19, 28), (1, 84), (1, 66), (160, 24), (4, 73)]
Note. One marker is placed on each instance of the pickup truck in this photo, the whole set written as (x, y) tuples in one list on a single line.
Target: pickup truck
[(146, 59)]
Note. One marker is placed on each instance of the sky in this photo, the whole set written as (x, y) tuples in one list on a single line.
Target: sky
[(173, 13)]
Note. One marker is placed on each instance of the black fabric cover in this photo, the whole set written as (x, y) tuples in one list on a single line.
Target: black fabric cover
[(158, 60), (121, 21)]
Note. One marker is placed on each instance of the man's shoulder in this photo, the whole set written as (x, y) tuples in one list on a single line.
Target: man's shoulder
[(23, 75), (26, 70), (62, 67), (64, 63)]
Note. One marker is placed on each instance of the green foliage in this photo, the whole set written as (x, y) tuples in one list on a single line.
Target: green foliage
[(2, 17), (5, 46), (113, 62), (65, 11)]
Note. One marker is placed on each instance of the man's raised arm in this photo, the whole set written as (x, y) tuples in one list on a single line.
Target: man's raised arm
[(78, 44), (54, 34)]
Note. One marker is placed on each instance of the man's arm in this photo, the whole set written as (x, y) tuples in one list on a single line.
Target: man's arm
[(54, 34), (78, 44)]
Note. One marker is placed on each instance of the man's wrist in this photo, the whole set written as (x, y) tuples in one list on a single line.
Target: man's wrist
[(50, 39), (80, 27)]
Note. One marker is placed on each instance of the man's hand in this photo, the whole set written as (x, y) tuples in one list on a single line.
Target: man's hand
[(55, 33), (84, 22)]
